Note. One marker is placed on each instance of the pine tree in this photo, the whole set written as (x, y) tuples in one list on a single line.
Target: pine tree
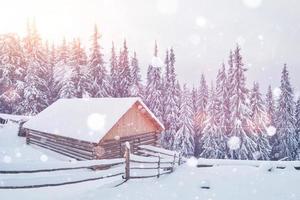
[(297, 125), (99, 84), (259, 118), (114, 73), (62, 73), (286, 144), (170, 106), (153, 96), (51, 62), (79, 72), (201, 114), (240, 115), (136, 89), (178, 99), (213, 139), (125, 73), (270, 107), (11, 72), (184, 137), (223, 98), (35, 87)]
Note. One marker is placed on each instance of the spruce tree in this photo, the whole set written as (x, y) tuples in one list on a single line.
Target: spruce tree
[(240, 113), (170, 106), (153, 97), (201, 114), (35, 87), (136, 88), (184, 137), (297, 124), (223, 98), (260, 119), (125, 73), (286, 143), (114, 73), (11, 72), (270, 107), (213, 139), (99, 85)]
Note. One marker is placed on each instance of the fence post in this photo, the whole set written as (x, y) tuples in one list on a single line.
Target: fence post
[(158, 166), (179, 159), (173, 163), (127, 161)]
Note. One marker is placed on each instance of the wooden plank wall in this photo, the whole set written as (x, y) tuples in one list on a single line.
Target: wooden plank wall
[(115, 148), (73, 148), (82, 150)]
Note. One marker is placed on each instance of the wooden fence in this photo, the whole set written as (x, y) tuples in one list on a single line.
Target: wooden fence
[(160, 164)]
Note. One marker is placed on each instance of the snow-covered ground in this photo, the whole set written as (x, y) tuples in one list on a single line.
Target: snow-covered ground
[(13, 149), (226, 181)]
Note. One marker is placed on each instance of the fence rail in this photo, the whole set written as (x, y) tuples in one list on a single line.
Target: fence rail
[(160, 165)]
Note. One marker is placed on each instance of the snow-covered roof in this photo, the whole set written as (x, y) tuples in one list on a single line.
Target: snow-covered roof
[(87, 119), (14, 117)]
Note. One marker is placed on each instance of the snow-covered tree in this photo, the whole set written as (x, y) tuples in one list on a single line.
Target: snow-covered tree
[(153, 96), (125, 73), (223, 100), (99, 84), (270, 107), (114, 73), (201, 114), (81, 76), (170, 103), (184, 137), (260, 119), (11, 72), (240, 113), (136, 88), (213, 139), (63, 85), (286, 143), (35, 87), (297, 124)]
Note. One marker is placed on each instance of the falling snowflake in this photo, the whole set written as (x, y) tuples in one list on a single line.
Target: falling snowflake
[(117, 137), (252, 3), (271, 130), (234, 143), (96, 122), (7, 159), (201, 21), (256, 155), (18, 154), (44, 158), (192, 162), (277, 92), (260, 37)]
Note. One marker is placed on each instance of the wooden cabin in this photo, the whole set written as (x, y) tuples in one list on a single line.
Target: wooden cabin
[(93, 128)]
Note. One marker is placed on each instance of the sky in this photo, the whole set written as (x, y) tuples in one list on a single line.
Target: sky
[(202, 32)]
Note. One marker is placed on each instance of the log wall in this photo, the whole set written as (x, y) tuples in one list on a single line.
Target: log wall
[(82, 150)]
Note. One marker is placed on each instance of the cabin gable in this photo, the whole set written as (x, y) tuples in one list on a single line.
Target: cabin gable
[(135, 121)]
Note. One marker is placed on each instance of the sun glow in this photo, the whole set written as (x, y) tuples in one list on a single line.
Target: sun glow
[(56, 19)]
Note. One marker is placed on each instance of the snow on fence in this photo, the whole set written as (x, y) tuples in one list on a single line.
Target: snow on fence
[(135, 167), (156, 165), (255, 163), (12, 168)]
